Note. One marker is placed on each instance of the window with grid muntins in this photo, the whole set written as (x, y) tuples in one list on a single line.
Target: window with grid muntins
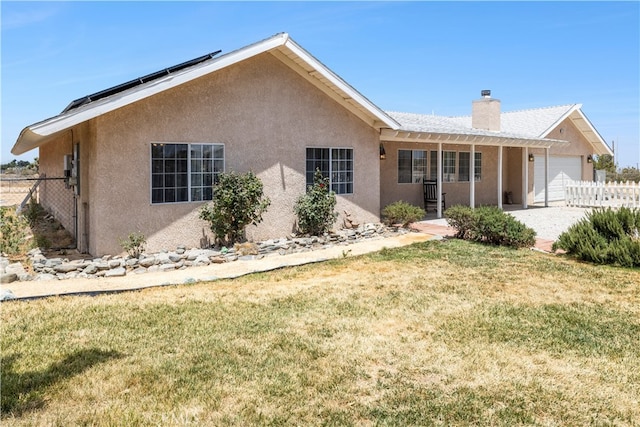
[(463, 166), (433, 165), (449, 166), (335, 164), (184, 172), (478, 166), (412, 166)]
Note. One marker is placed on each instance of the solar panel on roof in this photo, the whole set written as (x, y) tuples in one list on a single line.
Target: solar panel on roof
[(136, 82)]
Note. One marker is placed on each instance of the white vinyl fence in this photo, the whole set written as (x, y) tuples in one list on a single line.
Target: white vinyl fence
[(609, 194)]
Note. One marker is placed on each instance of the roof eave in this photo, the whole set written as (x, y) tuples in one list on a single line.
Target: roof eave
[(469, 139), (585, 126), (39, 133), (575, 114), (380, 118), (555, 124)]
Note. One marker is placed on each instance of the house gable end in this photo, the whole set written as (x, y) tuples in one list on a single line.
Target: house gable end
[(42, 132)]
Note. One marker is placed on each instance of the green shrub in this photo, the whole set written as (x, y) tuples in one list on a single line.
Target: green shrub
[(605, 236), (315, 208), (134, 244), (402, 213), (238, 200), (14, 230), (462, 218), (33, 211), (489, 224)]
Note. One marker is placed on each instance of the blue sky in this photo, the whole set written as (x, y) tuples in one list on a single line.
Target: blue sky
[(422, 57)]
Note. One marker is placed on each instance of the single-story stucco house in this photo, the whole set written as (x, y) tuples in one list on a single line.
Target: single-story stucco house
[(142, 156)]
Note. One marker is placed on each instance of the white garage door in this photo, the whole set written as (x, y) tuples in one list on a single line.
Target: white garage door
[(562, 169)]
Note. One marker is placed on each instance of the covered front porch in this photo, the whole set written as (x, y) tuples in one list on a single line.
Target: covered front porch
[(501, 165)]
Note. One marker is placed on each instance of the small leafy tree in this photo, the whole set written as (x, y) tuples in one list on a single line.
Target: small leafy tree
[(605, 162), (315, 208), (238, 200)]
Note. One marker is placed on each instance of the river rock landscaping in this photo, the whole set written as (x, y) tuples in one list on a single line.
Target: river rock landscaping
[(60, 268)]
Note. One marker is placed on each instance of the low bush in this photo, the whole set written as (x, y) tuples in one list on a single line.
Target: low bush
[(315, 208), (489, 224), (605, 236), (134, 244), (14, 230), (402, 213), (462, 218)]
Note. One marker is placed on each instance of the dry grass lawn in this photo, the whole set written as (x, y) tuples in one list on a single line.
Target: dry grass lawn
[(438, 333)]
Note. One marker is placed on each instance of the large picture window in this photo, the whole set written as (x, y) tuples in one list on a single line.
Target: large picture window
[(184, 172), (412, 166), (335, 164)]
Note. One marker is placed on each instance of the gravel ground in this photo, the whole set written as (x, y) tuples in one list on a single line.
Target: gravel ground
[(548, 222)]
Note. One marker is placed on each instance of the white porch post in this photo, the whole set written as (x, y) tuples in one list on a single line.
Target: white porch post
[(472, 177), (546, 177), (525, 177), (439, 181), (499, 177)]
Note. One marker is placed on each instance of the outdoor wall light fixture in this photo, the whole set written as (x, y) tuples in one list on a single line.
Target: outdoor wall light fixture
[(383, 154), (531, 158), (589, 158)]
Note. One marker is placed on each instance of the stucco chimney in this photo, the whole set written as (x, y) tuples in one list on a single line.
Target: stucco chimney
[(485, 112)]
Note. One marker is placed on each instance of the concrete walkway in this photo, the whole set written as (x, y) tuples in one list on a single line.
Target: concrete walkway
[(228, 270), (548, 223)]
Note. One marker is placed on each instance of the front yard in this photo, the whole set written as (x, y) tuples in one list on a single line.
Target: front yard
[(437, 333)]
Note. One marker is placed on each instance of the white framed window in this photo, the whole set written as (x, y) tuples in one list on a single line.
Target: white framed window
[(478, 166), (463, 166), (184, 172), (433, 165), (412, 166), (335, 164), (449, 166), (455, 166)]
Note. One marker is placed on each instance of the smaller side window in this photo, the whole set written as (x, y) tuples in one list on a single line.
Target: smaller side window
[(478, 166), (433, 165), (463, 166), (449, 166)]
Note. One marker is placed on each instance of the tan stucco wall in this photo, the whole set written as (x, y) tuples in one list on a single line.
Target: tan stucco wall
[(578, 146), (512, 158), (59, 199), (54, 196), (264, 113), (456, 192)]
